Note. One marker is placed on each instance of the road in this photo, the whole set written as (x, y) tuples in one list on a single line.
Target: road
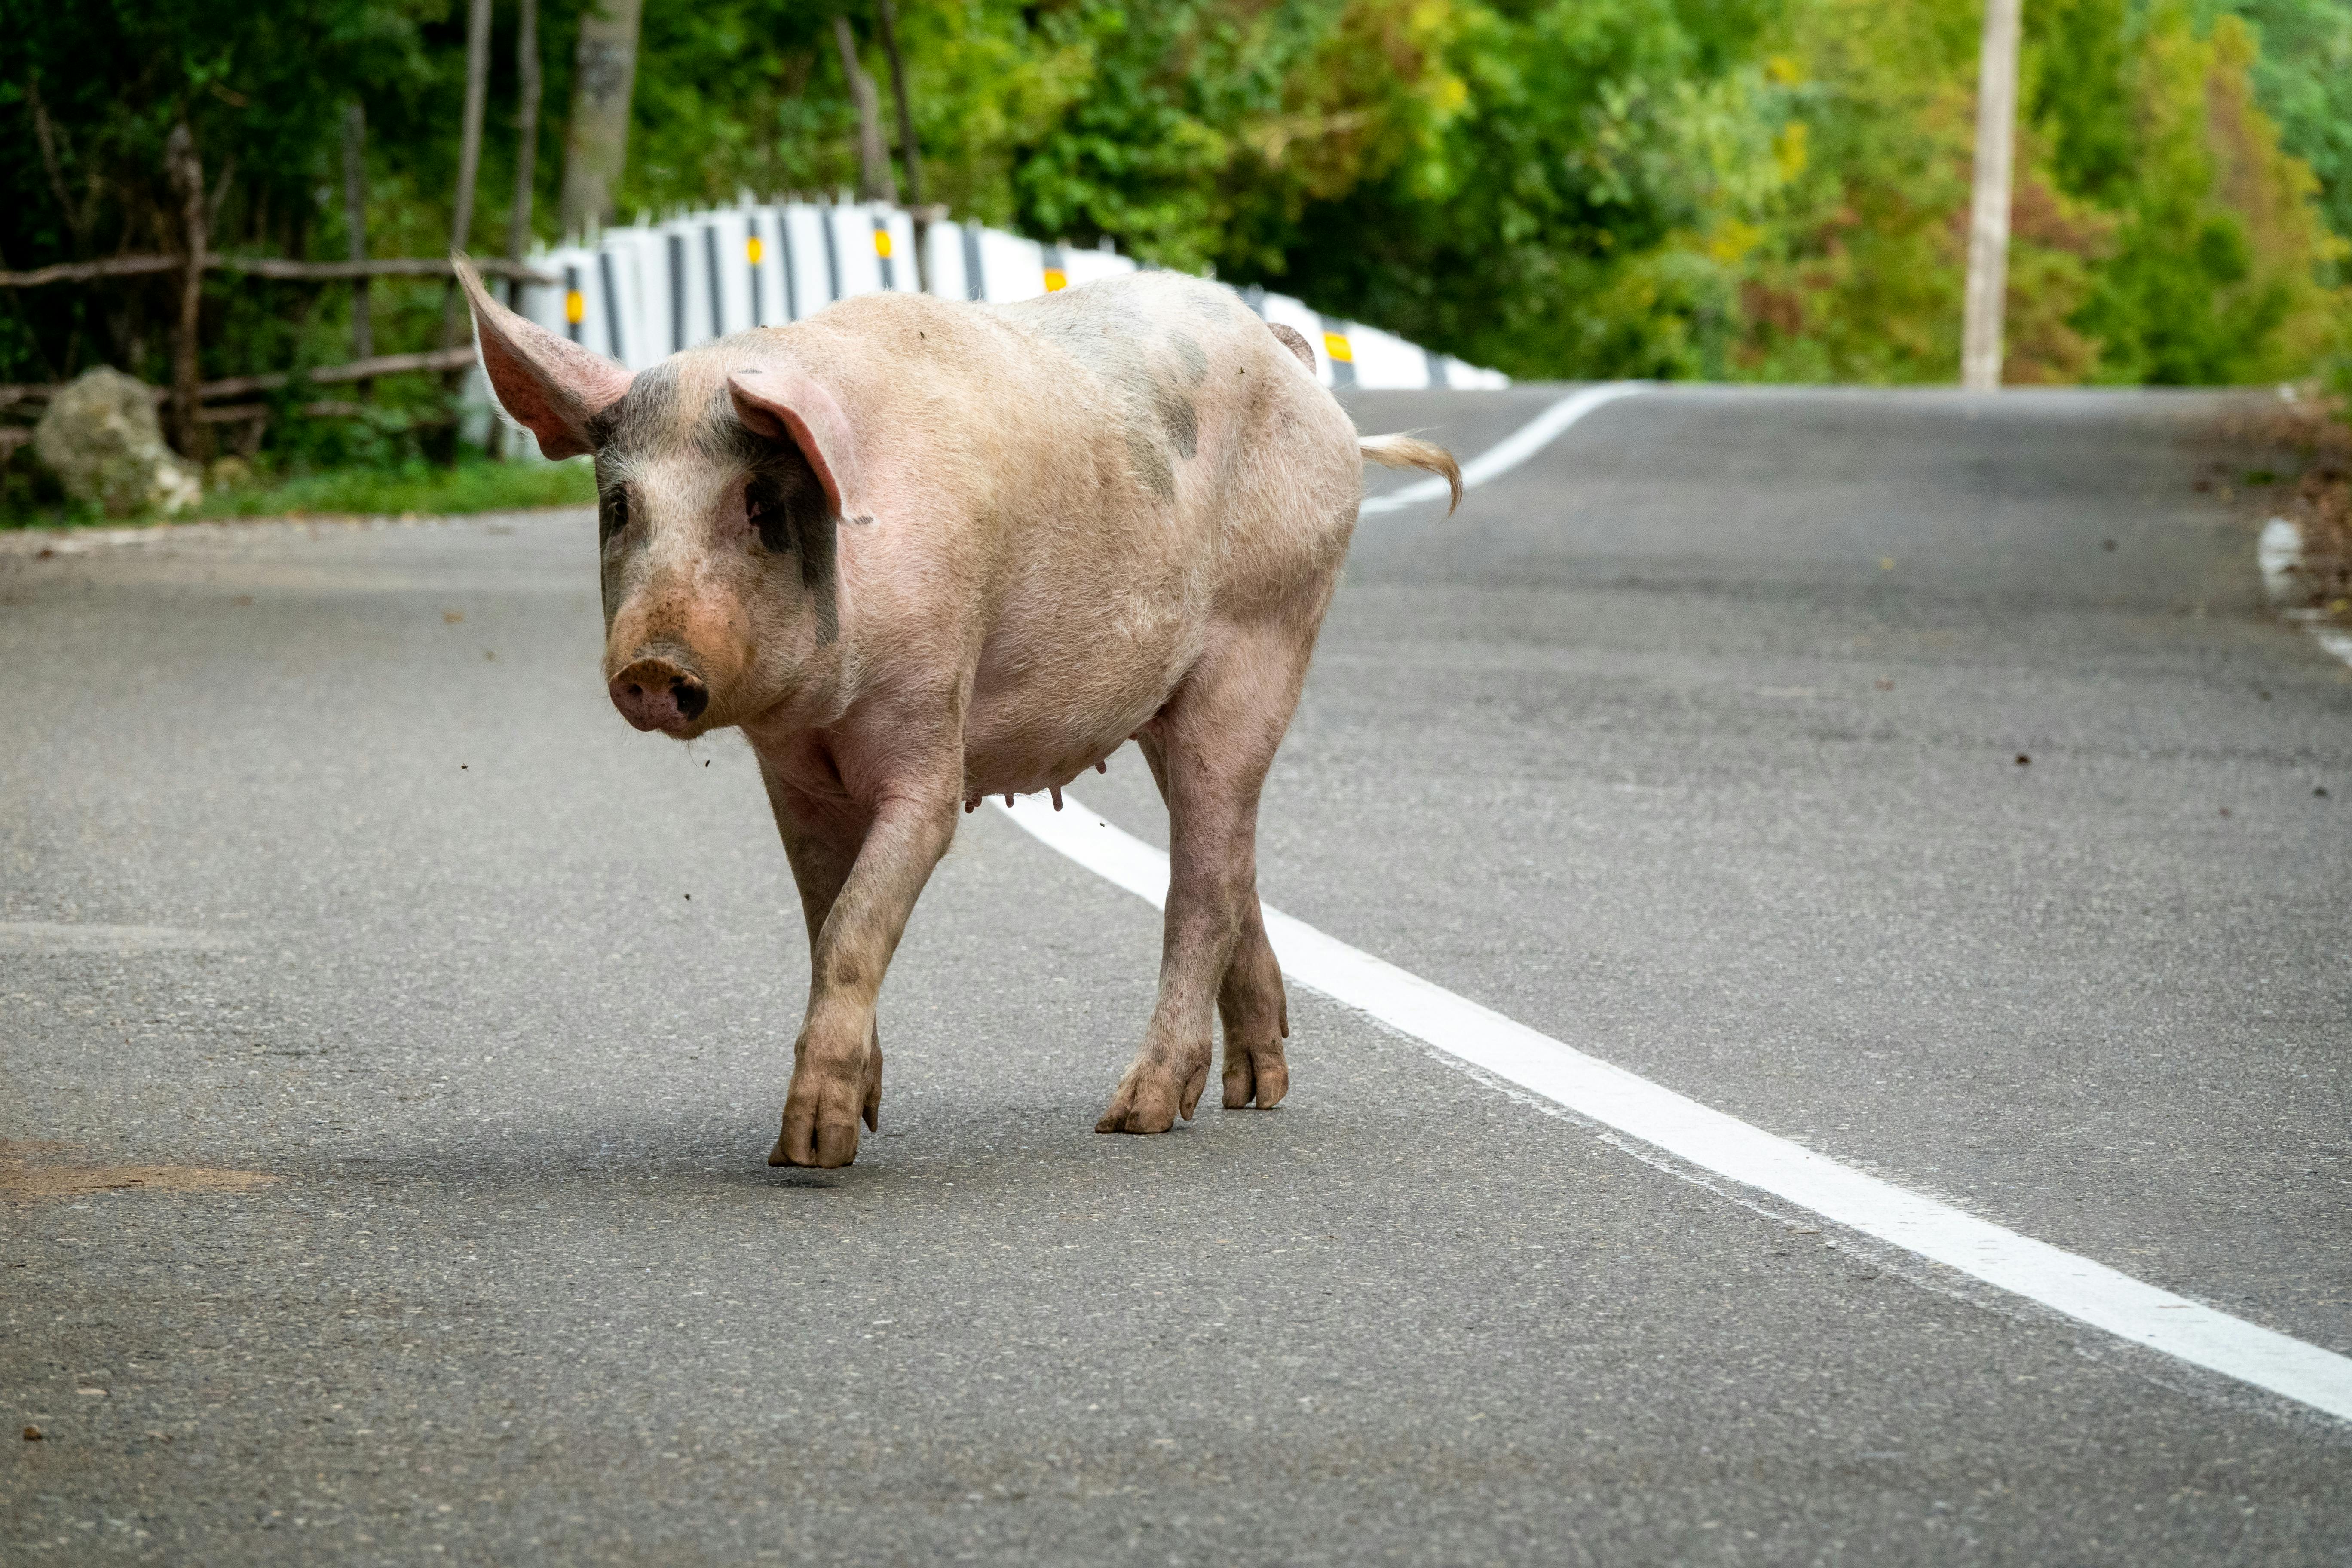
[(445, 1021)]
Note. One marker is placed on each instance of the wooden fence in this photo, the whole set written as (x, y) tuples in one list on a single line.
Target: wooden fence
[(212, 410)]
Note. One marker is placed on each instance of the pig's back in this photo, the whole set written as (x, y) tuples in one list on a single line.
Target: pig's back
[(1231, 441), (1205, 479)]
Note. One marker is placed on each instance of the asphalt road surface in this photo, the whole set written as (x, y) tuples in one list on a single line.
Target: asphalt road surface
[(390, 1039)]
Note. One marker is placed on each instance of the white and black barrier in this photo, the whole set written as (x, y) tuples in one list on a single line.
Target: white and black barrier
[(640, 294)]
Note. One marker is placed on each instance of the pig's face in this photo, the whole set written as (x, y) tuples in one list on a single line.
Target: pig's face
[(716, 543), (720, 480)]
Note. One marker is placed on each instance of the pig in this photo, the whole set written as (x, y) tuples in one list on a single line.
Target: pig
[(922, 552)]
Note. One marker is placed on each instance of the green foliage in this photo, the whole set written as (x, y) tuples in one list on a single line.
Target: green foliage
[(2303, 78), (2080, 98), (2216, 273), (91, 92), (1545, 214), (1768, 189), (2160, 232)]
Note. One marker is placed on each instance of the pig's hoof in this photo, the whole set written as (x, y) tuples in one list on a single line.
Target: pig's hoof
[(1255, 1073), (826, 1146), (1153, 1095), (823, 1108)]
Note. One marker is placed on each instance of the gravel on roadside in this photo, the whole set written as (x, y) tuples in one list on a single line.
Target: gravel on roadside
[(2310, 437)]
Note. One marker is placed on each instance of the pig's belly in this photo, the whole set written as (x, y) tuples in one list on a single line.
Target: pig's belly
[(1041, 720)]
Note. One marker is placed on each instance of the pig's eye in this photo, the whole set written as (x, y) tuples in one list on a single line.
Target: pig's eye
[(613, 513)]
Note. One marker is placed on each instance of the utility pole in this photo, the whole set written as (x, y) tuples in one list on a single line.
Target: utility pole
[(1988, 287)]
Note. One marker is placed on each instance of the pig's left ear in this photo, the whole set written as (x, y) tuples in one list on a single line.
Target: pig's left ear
[(550, 384), (783, 403)]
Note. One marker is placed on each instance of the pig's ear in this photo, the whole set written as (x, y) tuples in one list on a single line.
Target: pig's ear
[(783, 403), (550, 384)]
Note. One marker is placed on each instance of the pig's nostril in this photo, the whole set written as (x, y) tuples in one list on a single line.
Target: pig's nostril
[(657, 694)]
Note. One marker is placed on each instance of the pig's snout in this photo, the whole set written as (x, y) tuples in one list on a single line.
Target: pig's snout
[(659, 694)]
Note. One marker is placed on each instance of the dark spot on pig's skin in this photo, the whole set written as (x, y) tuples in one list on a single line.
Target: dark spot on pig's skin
[(1190, 355), (646, 415), (612, 517), (1176, 414), (795, 517), (1151, 462), (1110, 340), (817, 547)]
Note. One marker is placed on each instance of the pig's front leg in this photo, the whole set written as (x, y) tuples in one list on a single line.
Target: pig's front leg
[(822, 839), (860, 870)]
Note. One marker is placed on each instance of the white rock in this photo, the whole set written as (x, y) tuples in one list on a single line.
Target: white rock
[(101, 435)]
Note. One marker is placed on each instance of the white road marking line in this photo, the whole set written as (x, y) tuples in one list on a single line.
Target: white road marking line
[(1512, 449), (2089, 1292), (2279, 553), (57, 937)]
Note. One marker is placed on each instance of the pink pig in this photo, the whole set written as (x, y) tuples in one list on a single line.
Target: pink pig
[(921, 552)]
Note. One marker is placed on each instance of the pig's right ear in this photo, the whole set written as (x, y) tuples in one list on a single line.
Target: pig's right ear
[(550, 386)]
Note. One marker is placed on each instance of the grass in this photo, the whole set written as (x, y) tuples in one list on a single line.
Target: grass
[(475, 484)]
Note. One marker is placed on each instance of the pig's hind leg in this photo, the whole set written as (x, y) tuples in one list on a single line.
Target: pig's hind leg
[(1250, 1000), (1210, 748), (1256, 1016)]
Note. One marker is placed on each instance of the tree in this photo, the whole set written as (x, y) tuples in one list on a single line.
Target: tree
[(469, 155), (527, 85), (873, 180), (596, 145), (2218, 272)]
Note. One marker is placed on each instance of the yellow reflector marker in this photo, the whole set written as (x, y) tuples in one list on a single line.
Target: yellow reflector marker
[(882, 243), (753, 250), (1335, 345), (1056, 279), (575, 309)]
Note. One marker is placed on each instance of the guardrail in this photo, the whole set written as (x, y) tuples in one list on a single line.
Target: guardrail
[(640, 294)]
